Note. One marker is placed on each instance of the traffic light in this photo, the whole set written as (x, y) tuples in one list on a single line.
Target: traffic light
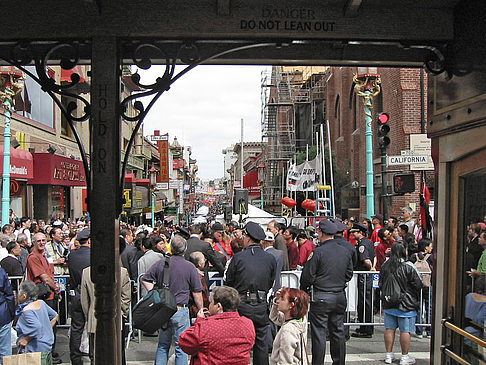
[(404, 183), (383, 130)]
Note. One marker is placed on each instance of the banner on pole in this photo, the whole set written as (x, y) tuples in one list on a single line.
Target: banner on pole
[(304, 177)]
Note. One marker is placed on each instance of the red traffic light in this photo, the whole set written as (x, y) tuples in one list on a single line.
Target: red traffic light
[(383, 118)]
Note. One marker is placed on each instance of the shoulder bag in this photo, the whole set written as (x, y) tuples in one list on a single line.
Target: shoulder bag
[(156, 308)]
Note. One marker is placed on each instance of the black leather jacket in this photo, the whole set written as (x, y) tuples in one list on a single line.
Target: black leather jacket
[(410, 285)]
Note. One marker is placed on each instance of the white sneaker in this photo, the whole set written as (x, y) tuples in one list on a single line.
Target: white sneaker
[(407, 359), (389, 358)]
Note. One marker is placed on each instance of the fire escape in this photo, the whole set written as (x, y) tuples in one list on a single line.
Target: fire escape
[(282, 89)]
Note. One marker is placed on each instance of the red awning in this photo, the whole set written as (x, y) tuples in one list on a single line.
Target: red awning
[(58, 170), (21, 163)]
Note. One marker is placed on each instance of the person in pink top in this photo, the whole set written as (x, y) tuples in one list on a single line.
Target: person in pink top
[(219, 335), (306, 246)]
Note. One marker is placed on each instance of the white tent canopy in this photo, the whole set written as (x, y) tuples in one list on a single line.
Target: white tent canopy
[(255, 214)]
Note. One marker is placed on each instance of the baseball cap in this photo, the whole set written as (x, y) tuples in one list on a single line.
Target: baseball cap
[(378, 216), (269, 236)]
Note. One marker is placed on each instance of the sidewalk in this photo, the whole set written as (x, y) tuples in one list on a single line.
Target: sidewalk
[(359, 351)]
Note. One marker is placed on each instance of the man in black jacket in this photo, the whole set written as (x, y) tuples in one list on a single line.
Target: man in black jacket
[(252, 273), (194, 243), (325, 274)]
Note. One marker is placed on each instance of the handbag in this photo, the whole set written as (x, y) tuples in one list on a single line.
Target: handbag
[(29, 358), (156, 308), (43, 290)]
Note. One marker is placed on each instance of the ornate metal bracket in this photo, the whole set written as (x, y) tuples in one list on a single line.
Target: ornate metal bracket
[(187, 53), (22, 54)]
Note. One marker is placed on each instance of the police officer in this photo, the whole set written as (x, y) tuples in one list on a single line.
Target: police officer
[(341, 227), (325, 274), (252, 273), (366, 257), (78, 260)]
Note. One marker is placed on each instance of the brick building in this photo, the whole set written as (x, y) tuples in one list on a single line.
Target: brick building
[(401, 97)]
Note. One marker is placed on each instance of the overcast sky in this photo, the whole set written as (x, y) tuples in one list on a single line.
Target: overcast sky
[(203, 109)]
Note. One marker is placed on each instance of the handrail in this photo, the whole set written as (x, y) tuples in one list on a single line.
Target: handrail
[(463, 333), (453, 355)]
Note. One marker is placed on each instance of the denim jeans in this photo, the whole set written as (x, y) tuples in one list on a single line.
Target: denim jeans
[(178, 323), (5, 341)]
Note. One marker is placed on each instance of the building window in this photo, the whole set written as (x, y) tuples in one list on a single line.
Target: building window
[(337, 115), (35, 104)]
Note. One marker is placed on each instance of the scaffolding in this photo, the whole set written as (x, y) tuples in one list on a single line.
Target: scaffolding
[(282, 89)]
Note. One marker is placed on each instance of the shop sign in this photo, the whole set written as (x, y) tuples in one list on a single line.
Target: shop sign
[(14, 187), (164, 159), (68, 171), (127, 193)]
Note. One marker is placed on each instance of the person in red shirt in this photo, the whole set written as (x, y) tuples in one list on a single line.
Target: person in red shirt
[(346, 234), (306, 246), (383, 250), (40, 270), (293, 250), (377, 222), (219, 335), (220, 244)]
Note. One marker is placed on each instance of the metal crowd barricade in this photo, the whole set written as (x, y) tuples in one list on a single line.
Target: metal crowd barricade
[(62, 281), (291, 279)]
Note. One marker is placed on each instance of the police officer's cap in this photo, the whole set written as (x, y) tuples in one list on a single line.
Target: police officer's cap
[(359, 227), (340, 226), (327, 227), (254, 230), (83, 235)]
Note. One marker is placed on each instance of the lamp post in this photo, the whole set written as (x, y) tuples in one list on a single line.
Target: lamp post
[(367, 84), (11, 83), (261, 182), (153, 183)]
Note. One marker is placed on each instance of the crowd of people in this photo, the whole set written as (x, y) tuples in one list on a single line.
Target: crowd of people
[(251, 312)]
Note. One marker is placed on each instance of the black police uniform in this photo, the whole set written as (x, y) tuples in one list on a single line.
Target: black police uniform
[(366, 251), (252, 273), (325, 275), (78, 260)]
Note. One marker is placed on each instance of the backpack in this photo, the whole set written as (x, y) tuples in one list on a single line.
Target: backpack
[(423, 267), (391, 293)]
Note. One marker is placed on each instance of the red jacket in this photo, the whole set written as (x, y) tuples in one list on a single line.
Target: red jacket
[(375, 238), (380, 253), (225, 338), (305, 251)]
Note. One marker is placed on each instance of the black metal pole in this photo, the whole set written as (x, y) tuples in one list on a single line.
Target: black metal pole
[(105, 197)]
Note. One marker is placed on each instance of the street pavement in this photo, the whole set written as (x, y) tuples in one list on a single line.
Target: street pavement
[(359, 351)]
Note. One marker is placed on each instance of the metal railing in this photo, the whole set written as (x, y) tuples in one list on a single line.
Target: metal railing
[(64, 302), (291, 279), (446, 350)]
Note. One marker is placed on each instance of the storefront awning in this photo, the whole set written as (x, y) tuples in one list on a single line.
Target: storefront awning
[(58, 170), (21, 163)]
